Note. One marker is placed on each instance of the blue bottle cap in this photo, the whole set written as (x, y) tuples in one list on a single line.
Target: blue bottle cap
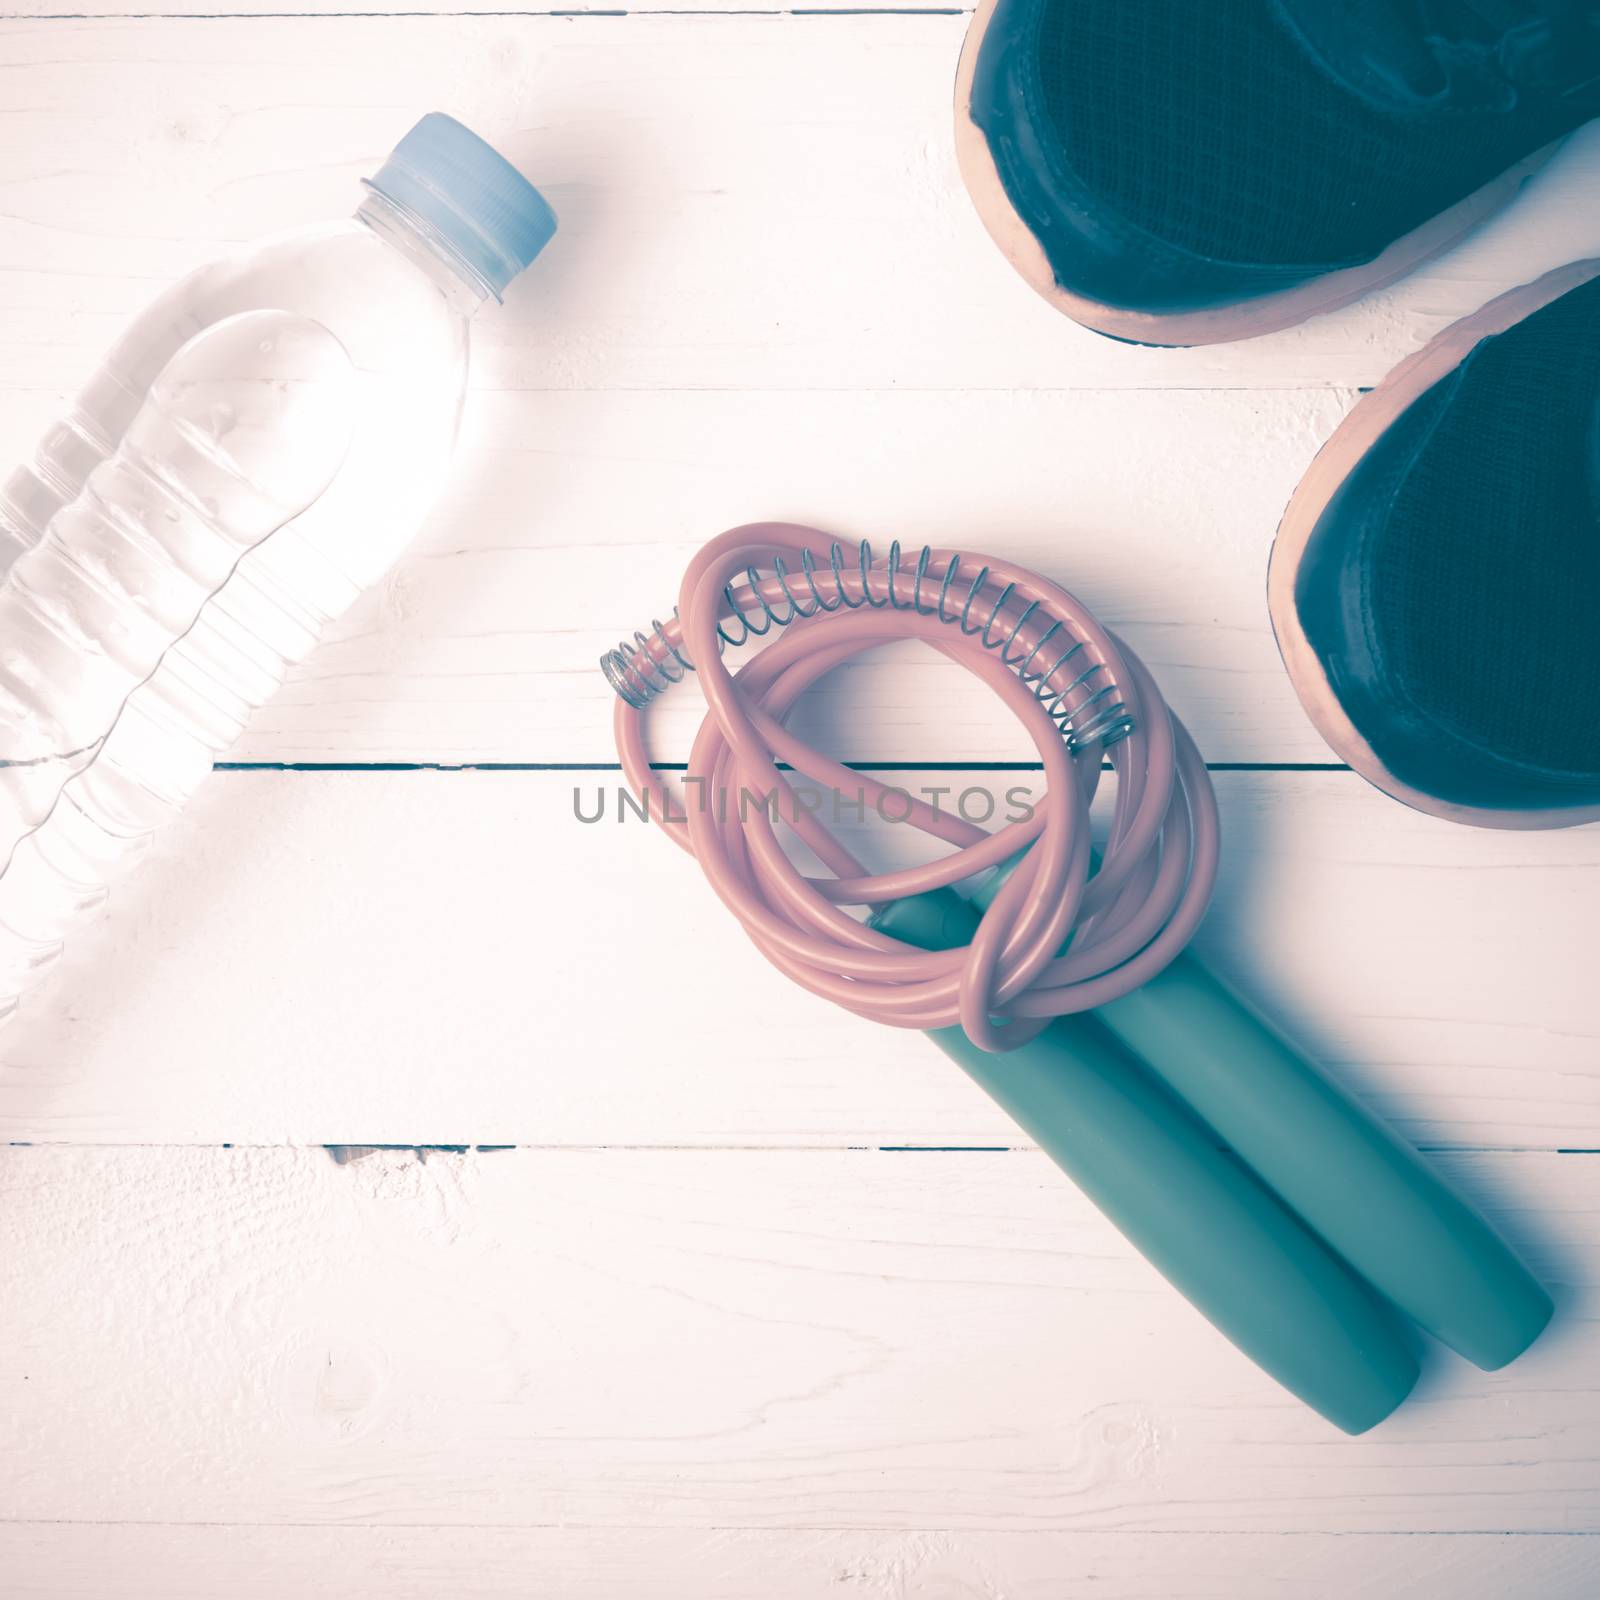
[(491, 215)]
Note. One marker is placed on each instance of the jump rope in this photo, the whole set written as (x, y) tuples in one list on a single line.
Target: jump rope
[(1286, 1213)]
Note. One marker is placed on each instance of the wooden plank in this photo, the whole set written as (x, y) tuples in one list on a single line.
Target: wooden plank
[(89, 1561), (747, 201), (452, 958), (628, 1372), (708, 1340), (572, 518), (573, 512)]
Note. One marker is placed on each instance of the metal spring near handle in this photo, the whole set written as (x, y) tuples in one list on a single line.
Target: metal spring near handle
[(1076, 689)]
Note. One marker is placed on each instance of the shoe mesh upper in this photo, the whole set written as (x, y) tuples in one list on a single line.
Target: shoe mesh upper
[(1209, 127), (1483, 583)]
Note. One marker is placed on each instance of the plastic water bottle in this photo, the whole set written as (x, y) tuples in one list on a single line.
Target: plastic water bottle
[(256, 450)]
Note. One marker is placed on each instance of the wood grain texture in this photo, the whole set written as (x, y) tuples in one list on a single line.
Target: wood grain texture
[(972, 428), (131, 1562), (641, 389), (571, 518), (698, 1334), (453, 958), (746, 201), (713, 1340)]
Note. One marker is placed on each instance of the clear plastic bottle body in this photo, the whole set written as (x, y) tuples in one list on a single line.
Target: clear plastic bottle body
[(398, 301), (386, 289)]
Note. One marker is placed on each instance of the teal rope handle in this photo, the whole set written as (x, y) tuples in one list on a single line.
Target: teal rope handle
[(1350, 1178), (1205, 1222), (1384, 1208)]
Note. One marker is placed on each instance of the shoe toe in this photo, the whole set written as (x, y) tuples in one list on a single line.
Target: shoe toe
[(1448, 588)]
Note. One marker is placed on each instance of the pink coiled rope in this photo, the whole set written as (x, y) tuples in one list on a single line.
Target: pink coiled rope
[(1051, 664)]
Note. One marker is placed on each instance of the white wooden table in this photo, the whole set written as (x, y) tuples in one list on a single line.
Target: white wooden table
[(747, 1298)]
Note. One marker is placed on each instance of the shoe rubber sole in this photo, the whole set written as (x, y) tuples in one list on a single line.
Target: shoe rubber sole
[(1362, 427), (1242, 319)]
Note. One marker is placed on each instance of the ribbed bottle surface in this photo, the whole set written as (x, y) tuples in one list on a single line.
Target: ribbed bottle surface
[(256, 451)]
